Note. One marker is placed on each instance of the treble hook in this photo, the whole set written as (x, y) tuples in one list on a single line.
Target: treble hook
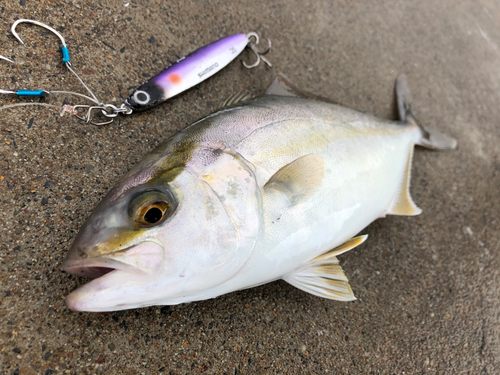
[(259, 55)]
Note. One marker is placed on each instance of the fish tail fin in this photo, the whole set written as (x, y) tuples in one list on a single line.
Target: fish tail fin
[(429, 138)]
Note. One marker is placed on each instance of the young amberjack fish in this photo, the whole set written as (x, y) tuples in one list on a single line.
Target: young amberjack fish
[(271, 188)]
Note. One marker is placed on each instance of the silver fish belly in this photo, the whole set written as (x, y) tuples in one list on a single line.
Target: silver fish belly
[(272, 188)]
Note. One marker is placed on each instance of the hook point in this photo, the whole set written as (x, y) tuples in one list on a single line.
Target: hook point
[(6, 59)]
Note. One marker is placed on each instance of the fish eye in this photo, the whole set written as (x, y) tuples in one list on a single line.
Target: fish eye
[(142, 97), (151, 214), (150, 208)]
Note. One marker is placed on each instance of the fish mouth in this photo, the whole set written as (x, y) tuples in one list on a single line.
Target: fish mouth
[(93, 268), (92, 272), (139, 262)]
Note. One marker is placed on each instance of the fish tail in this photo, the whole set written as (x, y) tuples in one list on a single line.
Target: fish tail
[(429, 138)]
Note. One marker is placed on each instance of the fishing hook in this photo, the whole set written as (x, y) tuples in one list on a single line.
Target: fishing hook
[(107, 110), (4, 58), (211, 58), (64, 49), (258, 54)]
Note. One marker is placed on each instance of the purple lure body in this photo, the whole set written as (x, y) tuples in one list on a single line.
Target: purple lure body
[(187, 72)]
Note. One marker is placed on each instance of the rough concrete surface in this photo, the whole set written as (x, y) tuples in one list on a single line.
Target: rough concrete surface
[(428, 287)]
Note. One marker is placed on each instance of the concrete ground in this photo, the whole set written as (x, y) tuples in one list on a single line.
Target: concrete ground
[(428, 287)]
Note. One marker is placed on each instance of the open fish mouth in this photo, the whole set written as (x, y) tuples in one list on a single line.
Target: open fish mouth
[(93, 268), (92, 271), (136, 263)]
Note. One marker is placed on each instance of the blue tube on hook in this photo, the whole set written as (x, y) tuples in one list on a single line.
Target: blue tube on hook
[(31, 93), (65, 54)]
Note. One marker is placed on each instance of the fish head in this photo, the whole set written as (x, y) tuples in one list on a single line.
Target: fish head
[(167, 233)]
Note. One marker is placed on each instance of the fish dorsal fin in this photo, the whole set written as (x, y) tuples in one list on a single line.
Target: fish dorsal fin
[(402, 203), (238, 98), (299, 179), (282, 86), (323, 276)]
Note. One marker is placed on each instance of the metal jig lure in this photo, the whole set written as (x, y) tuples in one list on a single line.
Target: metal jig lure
[(187, 72), (193, 69)]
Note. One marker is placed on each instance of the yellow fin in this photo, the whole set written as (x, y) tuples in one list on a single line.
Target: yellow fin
[(346, 246), (323, 276), (300, 179), (402, 203)]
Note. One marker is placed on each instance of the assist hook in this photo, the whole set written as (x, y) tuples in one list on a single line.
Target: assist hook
[(4, 58), (107, 110), (64, 48)]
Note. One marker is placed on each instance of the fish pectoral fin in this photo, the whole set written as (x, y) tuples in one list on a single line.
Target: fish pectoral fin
[(323, 276), (299, 179), (402, 203)]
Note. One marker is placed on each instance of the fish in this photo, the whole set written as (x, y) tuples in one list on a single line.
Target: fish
[(267, 188)]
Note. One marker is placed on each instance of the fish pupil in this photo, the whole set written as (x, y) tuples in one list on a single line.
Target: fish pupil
[(153, 215)]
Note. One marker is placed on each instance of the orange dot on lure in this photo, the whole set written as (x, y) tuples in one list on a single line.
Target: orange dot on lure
[(175, 78)]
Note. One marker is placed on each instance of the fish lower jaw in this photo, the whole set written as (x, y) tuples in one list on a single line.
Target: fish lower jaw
[(105, 293)]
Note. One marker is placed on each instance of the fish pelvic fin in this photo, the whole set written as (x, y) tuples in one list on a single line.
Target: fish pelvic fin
[(403, 203), (299, 179), (323, 276), (430, 138)]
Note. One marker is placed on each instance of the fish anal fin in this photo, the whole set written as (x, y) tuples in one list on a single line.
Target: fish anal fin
[(299, 179), (323, 276), (402, 203), (324, 287)]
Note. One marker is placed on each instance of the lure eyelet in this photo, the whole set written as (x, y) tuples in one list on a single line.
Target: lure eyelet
[(142, 97)]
